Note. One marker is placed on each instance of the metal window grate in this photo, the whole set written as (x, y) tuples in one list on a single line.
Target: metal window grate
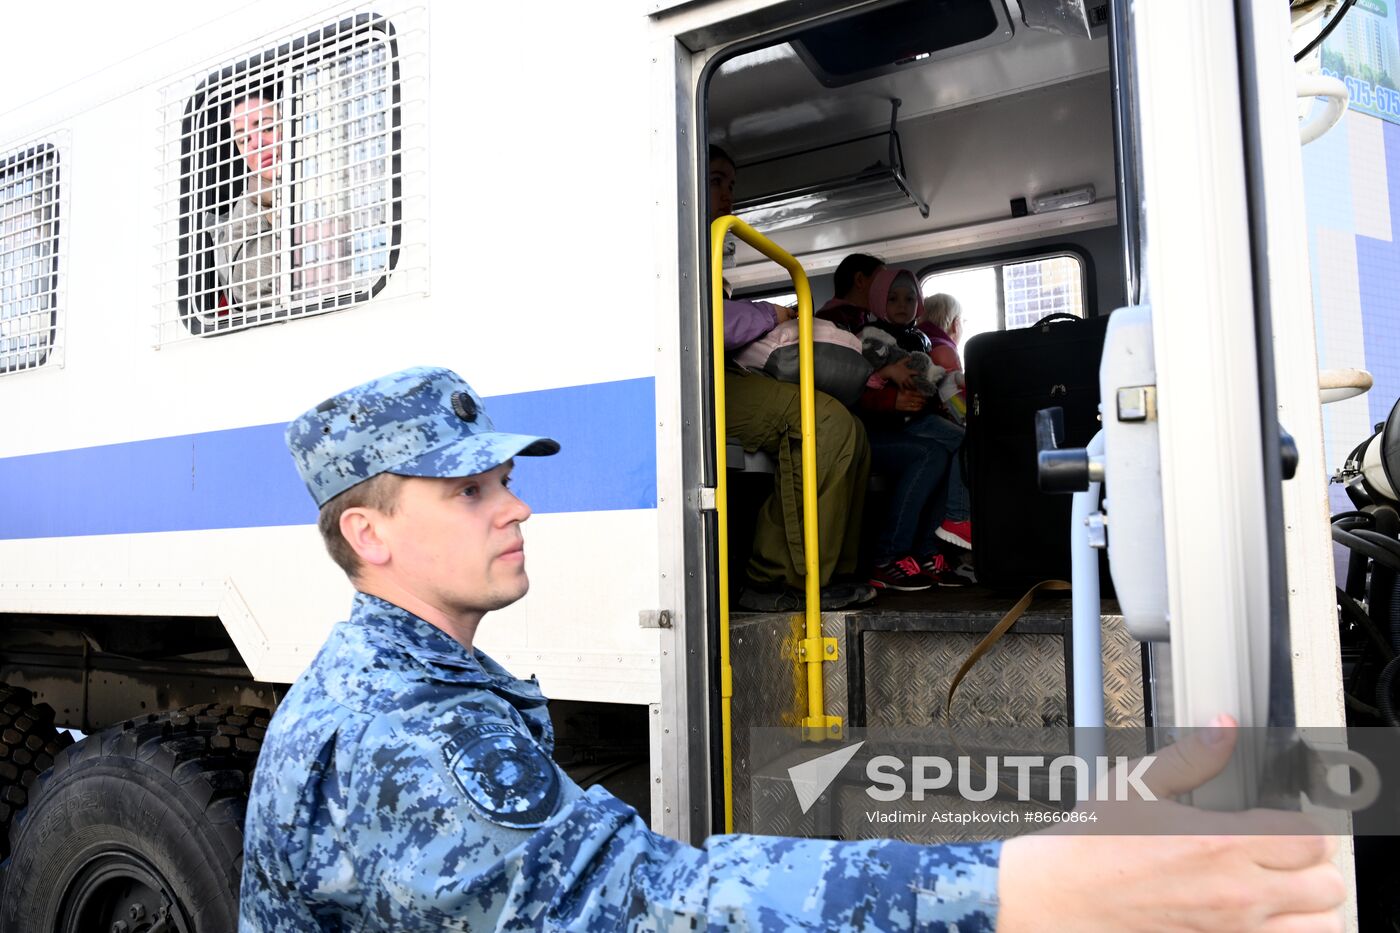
[(283, 189), (30, 305), (1040, 287), (1008, 295)]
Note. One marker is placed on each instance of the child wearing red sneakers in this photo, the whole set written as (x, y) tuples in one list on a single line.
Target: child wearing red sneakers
[(907, 551), (937, 422)]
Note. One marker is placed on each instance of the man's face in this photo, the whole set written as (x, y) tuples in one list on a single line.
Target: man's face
[(457, 543), (721, 188), (859, 294), (257, 132)]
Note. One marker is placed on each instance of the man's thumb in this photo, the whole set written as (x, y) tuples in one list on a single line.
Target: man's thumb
[(1194, 760)]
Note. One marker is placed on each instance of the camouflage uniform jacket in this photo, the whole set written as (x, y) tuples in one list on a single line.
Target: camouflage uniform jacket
[(406, 784)]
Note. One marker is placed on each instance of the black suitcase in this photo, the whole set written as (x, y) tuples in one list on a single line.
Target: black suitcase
[(1020, 535)]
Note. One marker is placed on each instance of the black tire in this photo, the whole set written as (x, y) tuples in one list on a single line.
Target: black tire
[(140, 823), (28, 743)]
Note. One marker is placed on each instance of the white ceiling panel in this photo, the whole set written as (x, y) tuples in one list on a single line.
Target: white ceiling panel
[(767, 101)]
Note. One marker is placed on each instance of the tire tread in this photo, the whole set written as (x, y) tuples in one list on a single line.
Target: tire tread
[(205, 751), (29, 742)]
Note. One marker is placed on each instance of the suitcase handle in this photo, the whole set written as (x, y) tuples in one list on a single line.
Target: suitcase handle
[(1058, 316)]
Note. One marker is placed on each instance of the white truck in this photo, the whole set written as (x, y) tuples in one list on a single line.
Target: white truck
[(519, 193)]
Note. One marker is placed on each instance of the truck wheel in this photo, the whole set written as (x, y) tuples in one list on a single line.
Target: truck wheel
[(28, 744), (138, 828)]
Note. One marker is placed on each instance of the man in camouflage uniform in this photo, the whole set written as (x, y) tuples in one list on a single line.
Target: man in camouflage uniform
[(406, 781)]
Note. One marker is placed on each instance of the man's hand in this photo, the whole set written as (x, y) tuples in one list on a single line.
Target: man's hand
[(784, 313), (909, 401), (1262, 870)]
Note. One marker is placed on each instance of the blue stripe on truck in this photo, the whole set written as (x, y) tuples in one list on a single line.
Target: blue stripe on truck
[(244, 478)]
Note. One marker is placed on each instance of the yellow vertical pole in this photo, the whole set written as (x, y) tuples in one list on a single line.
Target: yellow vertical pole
[(726, 672), (817, 724)]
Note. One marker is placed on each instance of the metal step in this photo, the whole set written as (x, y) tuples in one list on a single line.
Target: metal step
[(896, 662)]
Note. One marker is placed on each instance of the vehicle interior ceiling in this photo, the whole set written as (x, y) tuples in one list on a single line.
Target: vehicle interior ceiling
[(1018, 113)]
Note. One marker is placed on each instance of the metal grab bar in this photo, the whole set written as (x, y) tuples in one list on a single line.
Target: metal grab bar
[(817, 724), (1337, 99)]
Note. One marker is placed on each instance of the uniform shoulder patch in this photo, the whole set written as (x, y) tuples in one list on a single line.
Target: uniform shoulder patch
[(503, 774)]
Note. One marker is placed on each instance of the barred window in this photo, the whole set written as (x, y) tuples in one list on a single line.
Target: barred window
[(29, 256), (283, 194), (1039, 287), (1011, 294)]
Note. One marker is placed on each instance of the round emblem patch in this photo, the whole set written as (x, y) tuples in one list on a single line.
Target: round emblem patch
[(464, 406), (504, 774)]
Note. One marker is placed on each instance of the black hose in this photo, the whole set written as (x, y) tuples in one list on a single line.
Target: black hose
[(1326, 30), (1395, 614), (1357, 564), (1352, 611), (1385, 600), (1380, 540), (1378, 554), (1380, 590), (1357, 569), (1385, 701), (1360, 707)]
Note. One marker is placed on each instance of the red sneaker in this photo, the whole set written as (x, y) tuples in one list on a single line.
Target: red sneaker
[(903, 575), (959, 533), (937, 569)]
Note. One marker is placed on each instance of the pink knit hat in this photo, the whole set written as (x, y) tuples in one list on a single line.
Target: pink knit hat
[(881, 286)]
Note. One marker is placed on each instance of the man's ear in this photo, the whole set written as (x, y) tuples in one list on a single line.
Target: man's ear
[(360, 528)]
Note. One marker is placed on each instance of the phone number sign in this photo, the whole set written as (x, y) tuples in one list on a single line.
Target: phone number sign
[(1364, 51)]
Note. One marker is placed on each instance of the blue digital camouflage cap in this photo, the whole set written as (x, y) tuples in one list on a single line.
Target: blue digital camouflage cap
[(423, 421)]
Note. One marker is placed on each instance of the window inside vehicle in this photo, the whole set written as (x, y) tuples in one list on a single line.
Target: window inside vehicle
[(29, 255), (288, 201), (1013, 293)]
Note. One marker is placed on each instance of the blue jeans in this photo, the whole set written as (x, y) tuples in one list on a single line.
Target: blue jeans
[(950, 435), (917, 465)]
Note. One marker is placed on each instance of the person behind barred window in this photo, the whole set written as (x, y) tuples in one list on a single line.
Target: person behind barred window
[(246, 244)]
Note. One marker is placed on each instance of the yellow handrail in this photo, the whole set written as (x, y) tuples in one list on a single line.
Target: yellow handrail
[(817, 723)]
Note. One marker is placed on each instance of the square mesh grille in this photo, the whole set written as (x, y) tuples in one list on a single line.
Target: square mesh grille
[(282, 190), (30, 210)]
